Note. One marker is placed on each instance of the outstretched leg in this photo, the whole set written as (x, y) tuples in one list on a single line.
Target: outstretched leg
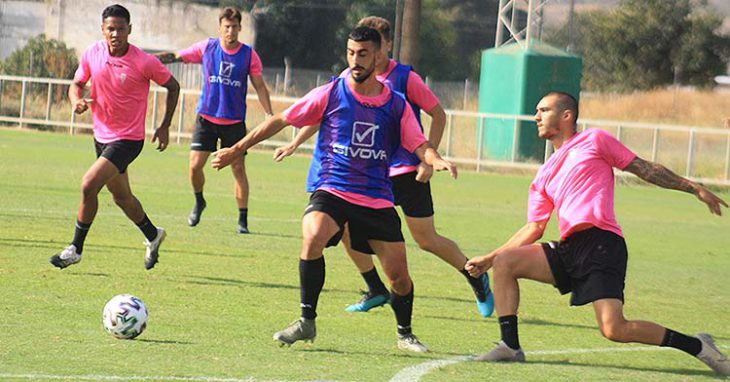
[(197, 180)]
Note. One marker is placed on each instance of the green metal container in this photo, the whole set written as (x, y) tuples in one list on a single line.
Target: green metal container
[(512, 81)]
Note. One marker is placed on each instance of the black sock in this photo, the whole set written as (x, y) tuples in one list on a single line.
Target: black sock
[(403, 308), (685, 343), (311, 281), (80, 235), (375, 285), (148, 229), (476, 285), (243, 217), (508, 327), (199, 200)]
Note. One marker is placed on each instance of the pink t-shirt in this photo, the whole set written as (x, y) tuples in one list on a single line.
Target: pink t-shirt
[(119, 88), (194, 55), (310, 109), (578, 182)]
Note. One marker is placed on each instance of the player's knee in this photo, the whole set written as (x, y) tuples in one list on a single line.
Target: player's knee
[(88, 187), (502, 264), (400, 282), (615, 332), (427, 243)]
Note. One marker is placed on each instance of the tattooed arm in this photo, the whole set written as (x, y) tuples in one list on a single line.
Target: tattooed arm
[(661, 176)]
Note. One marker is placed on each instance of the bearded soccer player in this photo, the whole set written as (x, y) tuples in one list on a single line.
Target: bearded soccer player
[(591, 257), (410, 178), (362, 124), (227, 66), (120, 74)]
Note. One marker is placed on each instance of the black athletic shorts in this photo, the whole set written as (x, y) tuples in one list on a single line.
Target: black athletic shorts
[(207, 134), (121, 153), (412, 196), (364, 223), (591, 264)]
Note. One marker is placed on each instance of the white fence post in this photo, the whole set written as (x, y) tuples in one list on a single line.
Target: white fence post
[(654, 144), (690, 153), (480, 143), (466, 93), (449, 124), (22, 103), (48, 101), (727, 159)]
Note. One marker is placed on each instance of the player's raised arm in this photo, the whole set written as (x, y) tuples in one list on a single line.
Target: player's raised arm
[(661, 176), (168, 57)]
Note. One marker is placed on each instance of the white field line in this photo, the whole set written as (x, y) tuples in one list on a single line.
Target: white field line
[(409, 374), (414, 373)]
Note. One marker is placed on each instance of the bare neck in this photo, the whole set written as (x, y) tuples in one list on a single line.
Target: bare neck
[(368, 88), (565, 134)]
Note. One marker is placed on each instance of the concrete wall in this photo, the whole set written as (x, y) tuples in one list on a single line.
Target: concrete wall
[(19, 22), (156, 24)]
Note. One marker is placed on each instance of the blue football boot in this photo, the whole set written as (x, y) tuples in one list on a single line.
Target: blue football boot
[(485, 300), (368, 301)]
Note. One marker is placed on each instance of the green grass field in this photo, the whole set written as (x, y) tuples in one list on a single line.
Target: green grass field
[(216, 297)]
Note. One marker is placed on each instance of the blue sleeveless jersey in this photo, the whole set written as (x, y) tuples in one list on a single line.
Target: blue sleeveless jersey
[(398, 81), (225, 81), (355, 144)]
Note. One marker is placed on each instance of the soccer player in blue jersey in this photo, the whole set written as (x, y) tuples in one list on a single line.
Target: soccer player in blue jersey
[(410, 179), (362, 124), (227, 65)]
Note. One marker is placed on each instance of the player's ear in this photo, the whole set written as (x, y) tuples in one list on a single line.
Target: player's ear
[(130, 29)]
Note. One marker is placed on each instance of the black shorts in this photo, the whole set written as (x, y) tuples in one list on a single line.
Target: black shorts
[(412, 196), (207, 134), (121, 153), (364, 223), (591, 264)]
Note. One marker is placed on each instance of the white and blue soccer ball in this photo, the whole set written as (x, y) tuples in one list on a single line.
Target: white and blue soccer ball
[(125, 316)]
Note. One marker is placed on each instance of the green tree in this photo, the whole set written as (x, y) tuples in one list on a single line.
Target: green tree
[(41, 57), (644, 44)]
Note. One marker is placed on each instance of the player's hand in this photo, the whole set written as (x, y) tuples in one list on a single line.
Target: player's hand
[(82, 105), (713, 202), (162, 136), (442, 164), (224, 157), (478, 265), (284, 151), (424, 173)]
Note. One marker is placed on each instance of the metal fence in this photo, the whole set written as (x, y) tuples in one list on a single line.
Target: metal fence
[(702, 154), (295, 82)]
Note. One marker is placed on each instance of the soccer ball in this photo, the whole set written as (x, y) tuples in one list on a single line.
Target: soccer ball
[(125, 316)]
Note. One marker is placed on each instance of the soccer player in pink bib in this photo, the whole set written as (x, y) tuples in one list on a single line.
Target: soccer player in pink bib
[(590, 259), (120, 74), (410, 179), (227, 66)]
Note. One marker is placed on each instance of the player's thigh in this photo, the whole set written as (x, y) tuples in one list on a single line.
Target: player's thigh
[(100, 173), (119, 187), (422, 229), (198, 159), (318, 228), (528, 262), (392, 256)]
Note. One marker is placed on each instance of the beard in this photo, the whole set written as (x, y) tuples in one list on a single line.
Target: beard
[(364, 75)]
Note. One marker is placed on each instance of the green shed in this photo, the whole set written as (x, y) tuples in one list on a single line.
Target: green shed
[(512, 81)]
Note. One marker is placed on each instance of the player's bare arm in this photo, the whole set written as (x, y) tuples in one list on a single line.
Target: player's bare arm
[(528, 234), (162, 133), (262, 92), (661, 176), (265, 130), (76, 96), (287, 150), (435, 133), (168, 57), (431, 157)]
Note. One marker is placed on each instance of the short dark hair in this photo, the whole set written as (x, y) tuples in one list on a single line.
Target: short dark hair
[(362, 34), (116, 10), (229, 13), (379, 24), (566, 102)]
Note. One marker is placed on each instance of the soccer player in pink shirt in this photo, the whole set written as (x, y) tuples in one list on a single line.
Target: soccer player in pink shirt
[(362, 124), (227, 66), (120, 74), (410, 178), (590, 259)]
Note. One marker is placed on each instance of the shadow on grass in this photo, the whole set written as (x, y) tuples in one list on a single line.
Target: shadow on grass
[(623, 368)]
